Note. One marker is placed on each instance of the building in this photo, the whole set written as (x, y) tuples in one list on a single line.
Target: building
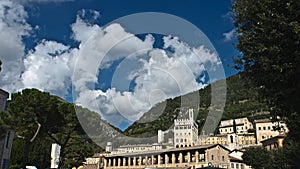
[(185, 157), (231, 141), (273, 142), (138, 148), (242, 126), (7, 139), (165, 137), (236, 160), (186, 131), (265, 129), (217, 139)]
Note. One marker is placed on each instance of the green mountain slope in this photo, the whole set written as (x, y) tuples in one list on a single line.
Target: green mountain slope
[(241, 100)]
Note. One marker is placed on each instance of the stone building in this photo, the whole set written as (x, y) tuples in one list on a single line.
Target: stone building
[(273, 142), (266, 128), (185, 131), (138, 148), (185, 157), (209, 140), (242, 126), (236, 160), (231, 141), (7, 138)]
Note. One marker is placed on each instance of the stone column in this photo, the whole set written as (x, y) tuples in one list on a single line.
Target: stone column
[(129, 161), (105, 162), (114, 162), (119, 162), (197, 156), (180, 158), (124, 161), (134, 161), (140, 161), (158, 159), (166, 159), (188, 157), (109, 162), (173, 158), (152, 160)]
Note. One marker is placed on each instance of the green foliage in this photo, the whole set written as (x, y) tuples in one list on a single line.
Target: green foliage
[(269, 40), (258, 158), (75, 145), (31, 108), (242, 100)]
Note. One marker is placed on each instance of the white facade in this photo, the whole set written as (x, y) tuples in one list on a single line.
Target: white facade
[(138, 148), (55, 154), (186, 131), (266, 129), (236, 161), (108, 147), (242, 126)]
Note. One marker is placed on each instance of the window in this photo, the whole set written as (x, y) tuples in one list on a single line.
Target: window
[(259, 128), (269, 128), (232, 165), (263, 137), (242, 166), (264, 128), (223, 158), (212, 157), (7, 139), (237, 166)]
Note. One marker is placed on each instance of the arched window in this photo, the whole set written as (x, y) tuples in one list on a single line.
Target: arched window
[(212, 157), (231, 139)]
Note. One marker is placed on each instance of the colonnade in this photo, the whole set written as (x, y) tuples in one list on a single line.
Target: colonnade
[(165, 159)]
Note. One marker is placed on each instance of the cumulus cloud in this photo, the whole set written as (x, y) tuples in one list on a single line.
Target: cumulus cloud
[(13, 27), (229, 36), (48, 67), (160, 75), (145, 75)]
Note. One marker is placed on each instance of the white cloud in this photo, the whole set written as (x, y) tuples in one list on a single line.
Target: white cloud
[(13, 27), (228, 36), (48, 68), (164, 73), (158, 73)]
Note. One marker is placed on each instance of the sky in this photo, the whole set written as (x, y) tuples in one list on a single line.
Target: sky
[(118, 58)]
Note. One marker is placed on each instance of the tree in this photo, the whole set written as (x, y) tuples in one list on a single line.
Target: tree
[(75, 145), (269, 39), (30, 113), (258, 158)]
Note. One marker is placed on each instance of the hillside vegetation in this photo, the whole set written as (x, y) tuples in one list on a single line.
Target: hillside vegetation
[(241, 101)]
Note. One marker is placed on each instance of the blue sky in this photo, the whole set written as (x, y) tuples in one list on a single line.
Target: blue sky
[(211, 17), (58, 45)]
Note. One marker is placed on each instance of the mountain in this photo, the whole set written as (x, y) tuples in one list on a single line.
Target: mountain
[(242, 100)]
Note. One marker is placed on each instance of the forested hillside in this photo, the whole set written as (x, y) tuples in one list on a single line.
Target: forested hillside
[(242, 100)]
